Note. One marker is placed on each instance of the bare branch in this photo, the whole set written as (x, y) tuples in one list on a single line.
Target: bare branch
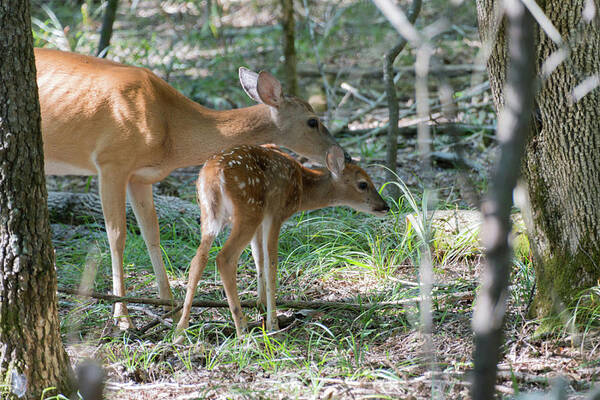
[(543, 21), (400, 22), (392, 99), (299, 305), (513, 129)]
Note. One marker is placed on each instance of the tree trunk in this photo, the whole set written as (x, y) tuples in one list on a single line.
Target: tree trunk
[(107, 27), (31, 351), (289, 48), (562, 157)]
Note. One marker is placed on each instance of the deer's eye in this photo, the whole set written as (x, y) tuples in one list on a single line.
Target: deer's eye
[(362, 185), (312, 122)]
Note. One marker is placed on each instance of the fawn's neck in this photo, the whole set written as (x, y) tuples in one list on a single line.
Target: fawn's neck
[(317, 189)]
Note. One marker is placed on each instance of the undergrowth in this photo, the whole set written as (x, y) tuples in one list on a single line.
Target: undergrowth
[(334, 254)]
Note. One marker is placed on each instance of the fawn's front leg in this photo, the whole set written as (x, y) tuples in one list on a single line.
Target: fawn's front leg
[(271, 240)]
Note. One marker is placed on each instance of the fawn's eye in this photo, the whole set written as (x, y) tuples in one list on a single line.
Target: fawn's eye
[(362, 185), (312, 122)]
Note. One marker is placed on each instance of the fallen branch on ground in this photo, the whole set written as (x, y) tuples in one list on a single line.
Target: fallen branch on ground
[(80, 208), (411, 130), (307, 70), (295, 305)]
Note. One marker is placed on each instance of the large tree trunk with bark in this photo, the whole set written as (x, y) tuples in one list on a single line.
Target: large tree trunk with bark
[(31, 350), (562, 157)]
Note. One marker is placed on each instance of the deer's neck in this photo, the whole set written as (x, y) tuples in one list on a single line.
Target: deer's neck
[(317, 191), (199, 132)]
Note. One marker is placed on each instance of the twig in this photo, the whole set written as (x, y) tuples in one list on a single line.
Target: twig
[(392, 99), (470, 93), (340, 127), (297, 305), (158, 319), (354, 91)]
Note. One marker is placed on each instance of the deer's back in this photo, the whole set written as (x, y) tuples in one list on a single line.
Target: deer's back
[(93, 107)]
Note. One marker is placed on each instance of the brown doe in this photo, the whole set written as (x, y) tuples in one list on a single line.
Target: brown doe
[(255, 189), (132, 129)]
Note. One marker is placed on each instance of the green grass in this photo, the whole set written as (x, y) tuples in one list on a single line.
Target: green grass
[(332, 254)]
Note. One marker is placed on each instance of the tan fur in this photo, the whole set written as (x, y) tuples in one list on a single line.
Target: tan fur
[(132, 129), (263, 188)]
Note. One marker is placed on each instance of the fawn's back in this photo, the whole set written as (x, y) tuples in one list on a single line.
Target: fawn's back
[(248, 179), (265, 182)]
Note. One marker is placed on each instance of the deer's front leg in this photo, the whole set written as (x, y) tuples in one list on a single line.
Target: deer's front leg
[(142, 202), (112, 195)]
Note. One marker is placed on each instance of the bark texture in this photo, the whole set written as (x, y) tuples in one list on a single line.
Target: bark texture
[(562, 157), (31, 350)]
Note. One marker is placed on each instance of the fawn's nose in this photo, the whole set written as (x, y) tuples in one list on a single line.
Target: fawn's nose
[(383, 209)]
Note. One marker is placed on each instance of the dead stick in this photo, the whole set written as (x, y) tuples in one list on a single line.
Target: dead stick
[(297, 305)]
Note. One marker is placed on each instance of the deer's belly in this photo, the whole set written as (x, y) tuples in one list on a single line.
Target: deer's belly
[(54, 167), (149, 174)]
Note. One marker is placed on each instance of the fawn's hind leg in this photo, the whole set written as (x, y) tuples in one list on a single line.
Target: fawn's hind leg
[(242, 231), (197, 267)]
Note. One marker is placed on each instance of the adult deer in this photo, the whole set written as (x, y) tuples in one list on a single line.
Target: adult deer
[(256, 189), (132, 129)]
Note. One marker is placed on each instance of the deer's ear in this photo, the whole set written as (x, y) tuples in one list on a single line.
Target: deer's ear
[(269, 89), (335, 161), (249, 81)]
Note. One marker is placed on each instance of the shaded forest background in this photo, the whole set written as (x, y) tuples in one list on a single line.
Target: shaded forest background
[(198, 46)]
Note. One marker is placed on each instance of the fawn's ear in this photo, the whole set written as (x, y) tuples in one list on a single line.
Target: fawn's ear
[(335, 161), (269, 89), (249, 81)]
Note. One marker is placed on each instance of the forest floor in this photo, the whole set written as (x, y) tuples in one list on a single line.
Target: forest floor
[(328, 255)]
